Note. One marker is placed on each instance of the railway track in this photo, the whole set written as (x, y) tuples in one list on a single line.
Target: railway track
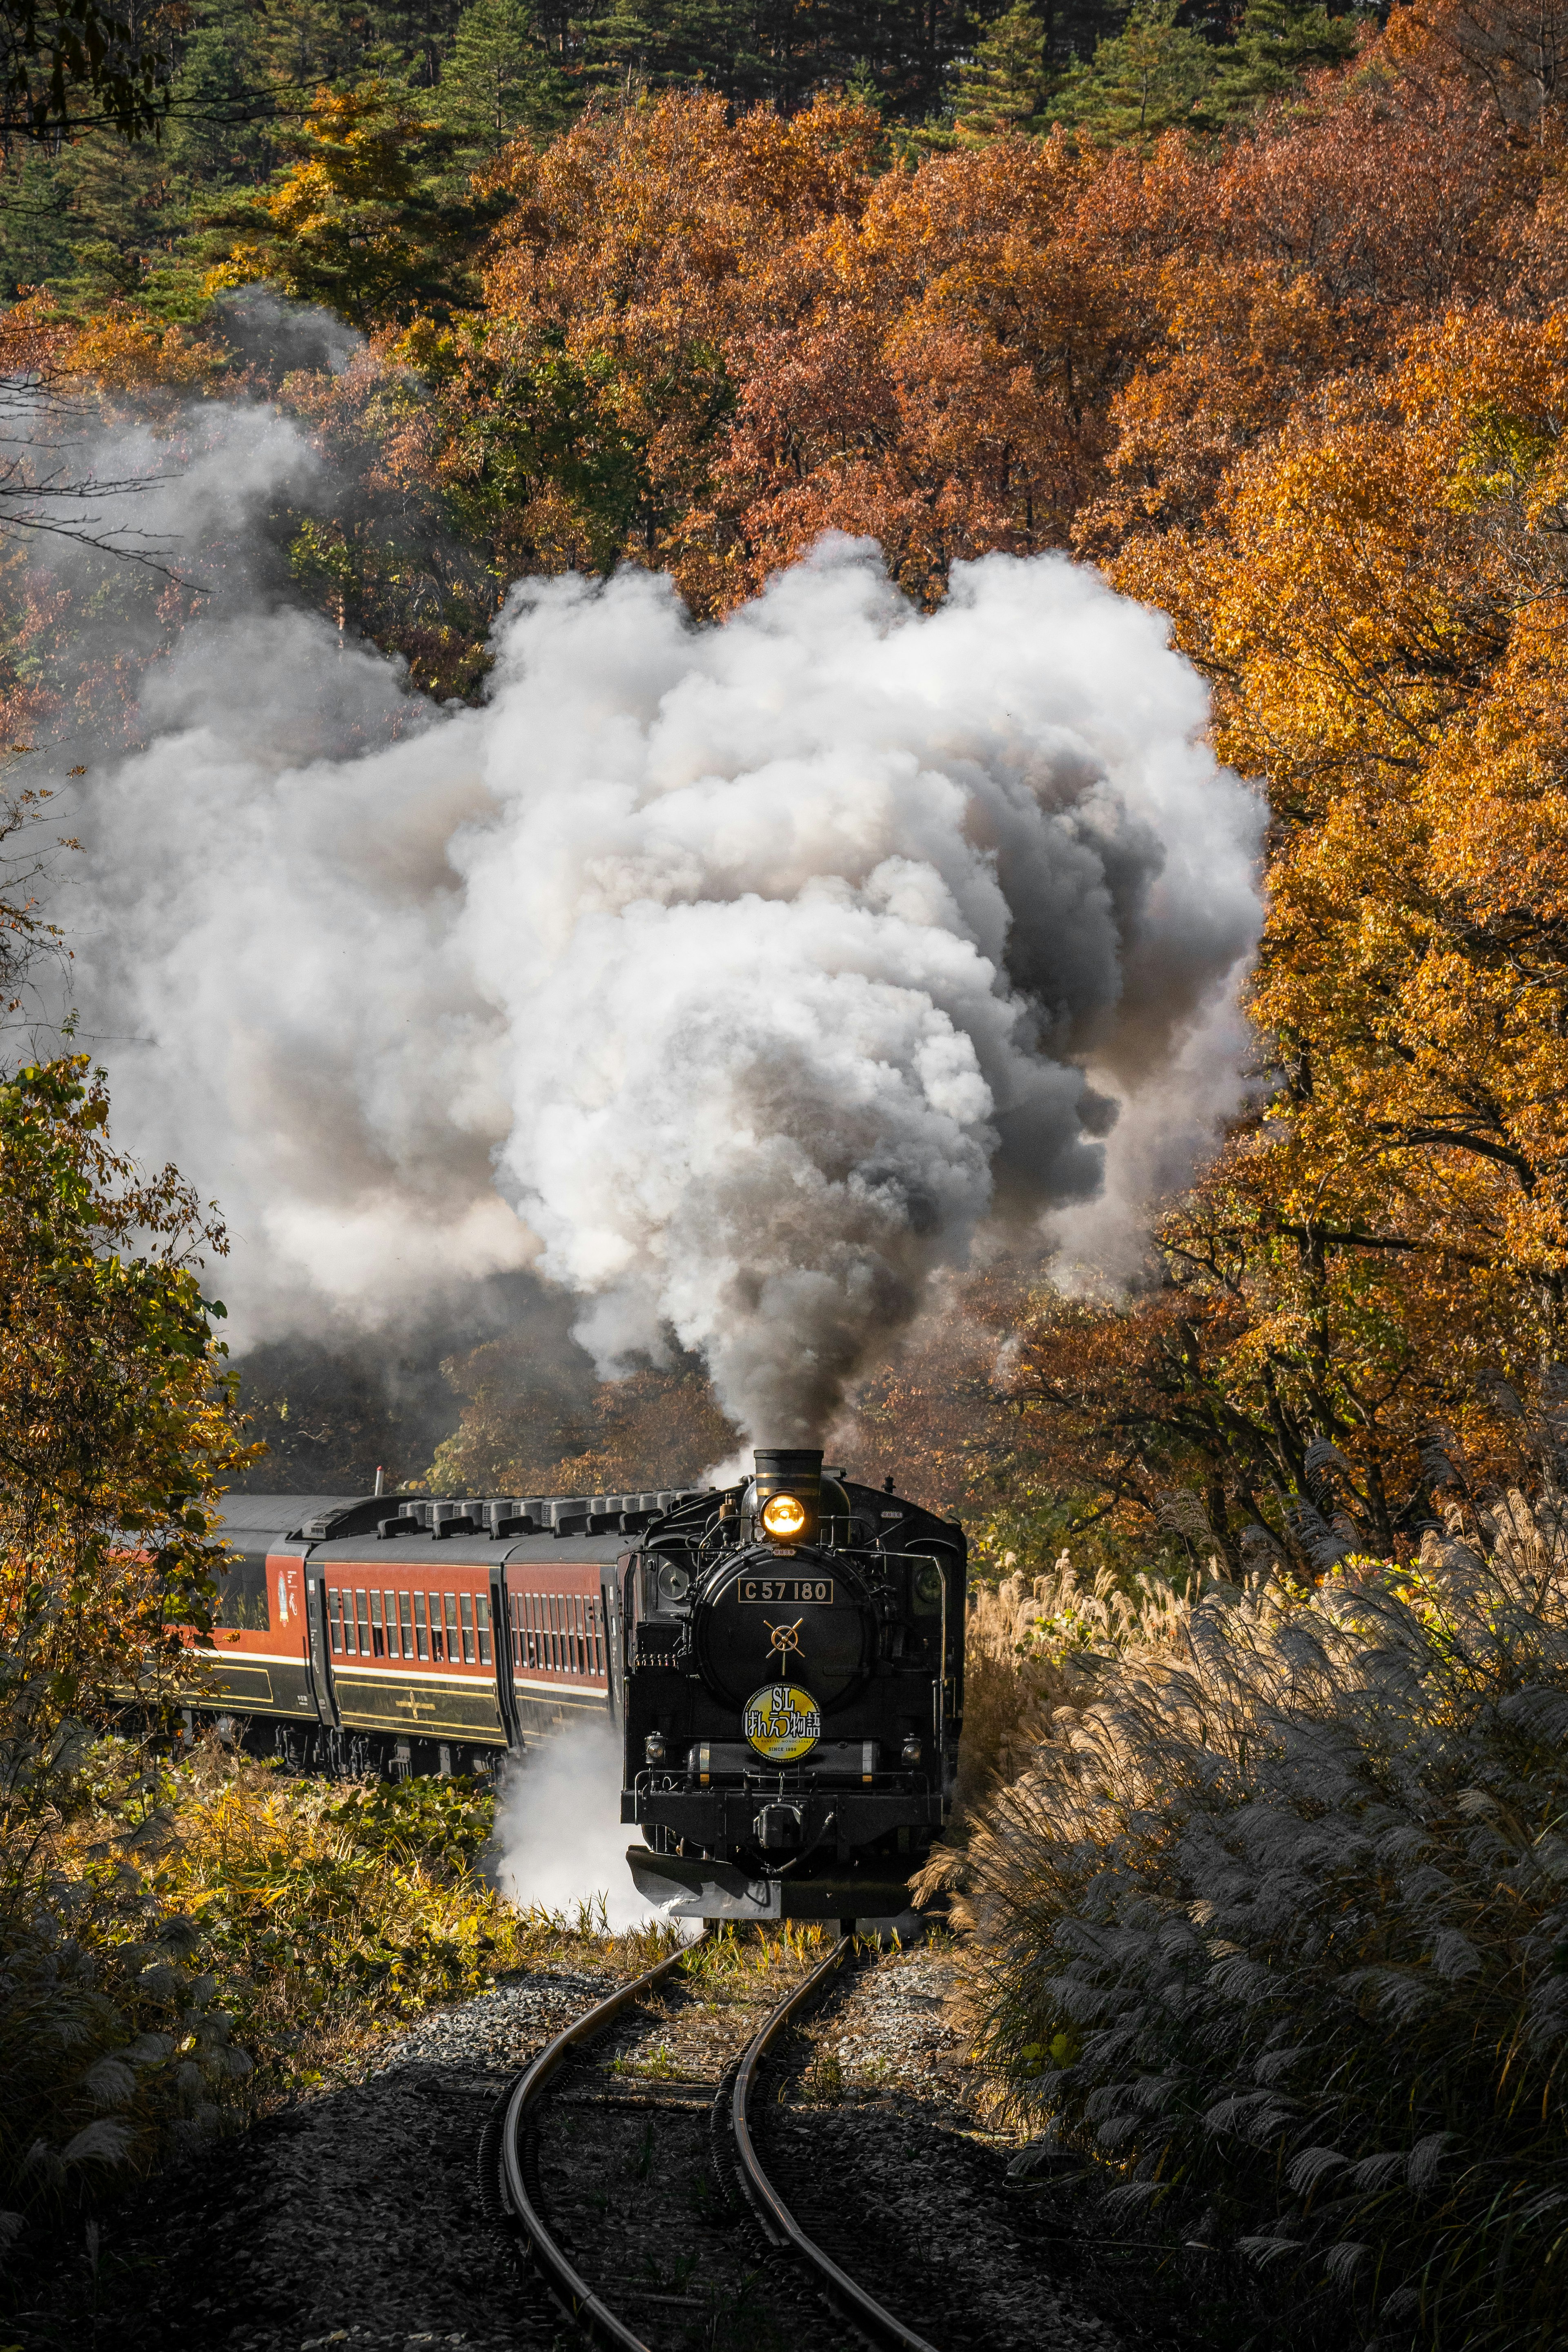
[(642, 2193)]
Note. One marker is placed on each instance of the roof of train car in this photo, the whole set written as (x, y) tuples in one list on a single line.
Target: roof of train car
[(274, 1514), (249, 1516), (564, 1552)]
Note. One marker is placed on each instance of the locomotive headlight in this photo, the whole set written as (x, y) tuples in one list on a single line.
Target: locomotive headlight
[(783, 1517)]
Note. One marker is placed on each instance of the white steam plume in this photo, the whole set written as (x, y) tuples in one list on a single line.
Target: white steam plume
[(742, 978), (558, 1830)]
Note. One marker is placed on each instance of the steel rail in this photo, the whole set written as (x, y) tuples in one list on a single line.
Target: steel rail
[(503, 2167), (577, 2298), (870, 2317)]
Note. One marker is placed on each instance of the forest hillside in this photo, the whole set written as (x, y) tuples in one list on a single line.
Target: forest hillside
[(1283, 353)]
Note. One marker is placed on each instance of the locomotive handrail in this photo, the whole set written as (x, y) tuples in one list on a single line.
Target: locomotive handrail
[(866, 2313), (595, 2317)]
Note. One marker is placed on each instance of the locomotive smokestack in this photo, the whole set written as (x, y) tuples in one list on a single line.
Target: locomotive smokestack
[(789, 1492)]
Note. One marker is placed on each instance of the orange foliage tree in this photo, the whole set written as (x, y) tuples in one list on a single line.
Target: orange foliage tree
[(1379, 596)]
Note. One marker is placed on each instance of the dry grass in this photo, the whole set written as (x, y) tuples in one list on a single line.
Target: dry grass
[(1273, 1931), (1033, 1652)]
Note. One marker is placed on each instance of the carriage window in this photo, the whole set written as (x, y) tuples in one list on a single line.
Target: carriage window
[(242, 1596), (423, 1637), (335, 1619), (361, 1610), (407, 1625), (594, 1614), (377, 1638), (453, 1653), (468, 1608), (482, 1618), (437, 1644), (531, 1609)]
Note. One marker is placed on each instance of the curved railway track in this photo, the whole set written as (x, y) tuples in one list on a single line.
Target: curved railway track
[(795, 2267)]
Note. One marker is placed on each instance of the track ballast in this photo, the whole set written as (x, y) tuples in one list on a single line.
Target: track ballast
[(704, 2180)]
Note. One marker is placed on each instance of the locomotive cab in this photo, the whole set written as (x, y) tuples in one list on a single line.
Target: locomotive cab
[(793, 1695)]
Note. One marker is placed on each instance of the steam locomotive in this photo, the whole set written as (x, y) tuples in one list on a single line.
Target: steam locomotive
[(794, 1695), (783, 1659)]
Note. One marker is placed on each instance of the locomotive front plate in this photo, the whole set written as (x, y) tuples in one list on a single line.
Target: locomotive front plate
[(786, 1588), (783, 1722)]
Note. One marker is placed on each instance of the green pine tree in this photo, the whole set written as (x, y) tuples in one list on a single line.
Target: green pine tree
[(636, 45), (366, 221), (1144, 79), (496, 80), (219, 125), (1276, 43), (1002, 88)]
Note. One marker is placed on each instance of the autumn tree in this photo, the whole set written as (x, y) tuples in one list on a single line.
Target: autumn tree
[(529, 1428), (115, 1421), (364, 221), (1379, 598)]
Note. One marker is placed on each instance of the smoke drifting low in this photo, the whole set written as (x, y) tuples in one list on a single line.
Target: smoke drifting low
[(738, 979), (559, 1846)]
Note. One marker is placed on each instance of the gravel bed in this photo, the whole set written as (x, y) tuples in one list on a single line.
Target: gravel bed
[(878, 2150), (895, 2032), (351, 2219)]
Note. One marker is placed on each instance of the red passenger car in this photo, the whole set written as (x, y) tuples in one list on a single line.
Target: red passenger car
[(407, 1633)]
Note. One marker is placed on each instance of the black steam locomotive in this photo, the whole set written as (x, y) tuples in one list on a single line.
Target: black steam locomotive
[(793, 1693), (785, 1659)]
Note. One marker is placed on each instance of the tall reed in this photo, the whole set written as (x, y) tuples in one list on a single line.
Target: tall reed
[(1274, 1931)]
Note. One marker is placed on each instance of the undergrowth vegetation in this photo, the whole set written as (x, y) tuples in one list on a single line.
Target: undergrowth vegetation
[(1272, 1921), (185, 1942)]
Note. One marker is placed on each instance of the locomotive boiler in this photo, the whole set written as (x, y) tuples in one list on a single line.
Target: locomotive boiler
[(782, 1658)]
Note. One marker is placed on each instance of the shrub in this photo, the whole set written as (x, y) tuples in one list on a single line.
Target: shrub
[(186, 1942), (1275, 1931)]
